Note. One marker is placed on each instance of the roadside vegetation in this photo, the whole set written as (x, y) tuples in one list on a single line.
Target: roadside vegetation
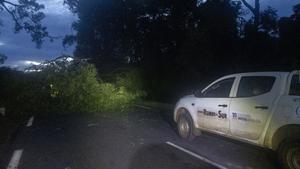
[(181, 46), (178, 46), (62, 86)]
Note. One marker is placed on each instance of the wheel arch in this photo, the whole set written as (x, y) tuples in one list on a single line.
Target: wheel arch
[(179, 111), (287, 132), (182, 110)]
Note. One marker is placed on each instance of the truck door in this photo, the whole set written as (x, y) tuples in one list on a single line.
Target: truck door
[(294, 93), (250, 109), (290, 102), (213, 106)]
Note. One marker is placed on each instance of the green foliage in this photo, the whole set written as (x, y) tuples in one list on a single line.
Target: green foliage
[(131, 81), (122, 88), (73, 89)]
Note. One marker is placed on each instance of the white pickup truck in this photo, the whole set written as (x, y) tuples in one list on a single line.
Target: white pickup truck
[(261, 108)]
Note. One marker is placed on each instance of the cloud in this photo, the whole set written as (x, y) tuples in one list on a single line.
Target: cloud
[(21, 64), (29, 62)]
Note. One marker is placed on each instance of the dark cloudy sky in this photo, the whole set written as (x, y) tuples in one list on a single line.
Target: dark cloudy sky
[(21, 51), (19, 48)]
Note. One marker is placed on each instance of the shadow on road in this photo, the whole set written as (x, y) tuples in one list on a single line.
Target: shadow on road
[(167, 116)]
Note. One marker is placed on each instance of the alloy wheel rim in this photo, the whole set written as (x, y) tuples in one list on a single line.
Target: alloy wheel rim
[(184, 128), (296, 158)]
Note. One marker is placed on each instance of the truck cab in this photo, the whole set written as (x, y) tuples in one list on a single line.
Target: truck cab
[(261, 108)]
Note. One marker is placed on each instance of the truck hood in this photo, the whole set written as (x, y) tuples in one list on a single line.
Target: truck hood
[(188, 96)]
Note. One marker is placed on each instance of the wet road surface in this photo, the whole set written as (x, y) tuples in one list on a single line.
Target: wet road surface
[(135, 142)]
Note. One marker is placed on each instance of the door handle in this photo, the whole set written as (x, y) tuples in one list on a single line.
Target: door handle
[(223, 105), (261, 107)]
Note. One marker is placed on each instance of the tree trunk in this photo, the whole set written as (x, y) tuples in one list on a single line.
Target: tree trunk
[(255, 11), (257, 14)]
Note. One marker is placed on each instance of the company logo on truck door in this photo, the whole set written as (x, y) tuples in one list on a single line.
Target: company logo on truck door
[(218, 114), (244, 117)]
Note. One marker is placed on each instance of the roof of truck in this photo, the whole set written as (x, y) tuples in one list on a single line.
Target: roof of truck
[(267, 72), (270, 73)]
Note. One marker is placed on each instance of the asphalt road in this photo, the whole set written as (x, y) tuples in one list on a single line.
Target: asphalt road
[(135, 142)]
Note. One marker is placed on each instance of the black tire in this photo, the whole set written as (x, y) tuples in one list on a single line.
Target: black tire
[(185, 127), (289, 154)]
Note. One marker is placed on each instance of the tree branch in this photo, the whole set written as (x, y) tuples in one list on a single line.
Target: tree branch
[(11, 13), (251, 8), (13, 4), (27, 17)]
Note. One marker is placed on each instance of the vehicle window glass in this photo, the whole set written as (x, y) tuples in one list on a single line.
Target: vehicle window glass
[(255, 85), (220, 89), (295, 86)]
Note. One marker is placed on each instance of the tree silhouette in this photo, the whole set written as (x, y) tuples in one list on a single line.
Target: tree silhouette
[(255, 10), (180, 44), (269, 21), (27, 16), (290, 39)]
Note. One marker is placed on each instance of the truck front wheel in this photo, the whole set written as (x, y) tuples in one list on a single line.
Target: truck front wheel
[(289, 154), (185, 127)]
